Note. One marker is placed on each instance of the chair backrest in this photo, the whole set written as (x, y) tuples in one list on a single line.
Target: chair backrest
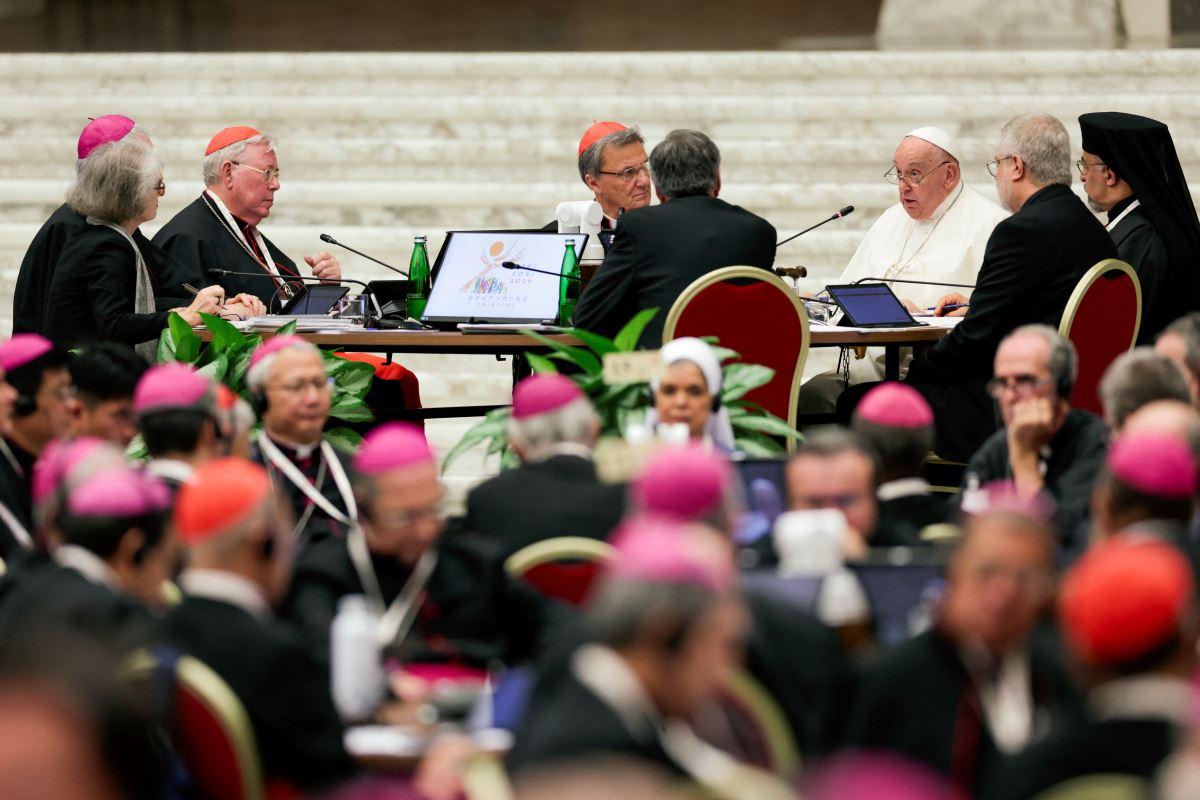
[(1101, 319), (753, 312), (1101, 786), (210, 731), (760, 726), (562, 568)]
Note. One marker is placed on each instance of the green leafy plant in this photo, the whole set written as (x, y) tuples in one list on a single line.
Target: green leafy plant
[(756, 431), (226, 358)]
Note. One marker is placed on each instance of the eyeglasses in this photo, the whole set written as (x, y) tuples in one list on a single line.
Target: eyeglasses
[(994, 164), (161, 189), (298, 387), (407, 517), (1021, 385), (270, 174), (912, 178), (629, 173), (1085, 167)]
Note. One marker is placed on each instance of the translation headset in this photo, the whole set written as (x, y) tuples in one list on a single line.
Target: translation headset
[(24, 405)]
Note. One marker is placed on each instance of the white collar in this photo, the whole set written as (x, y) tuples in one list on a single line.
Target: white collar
[(1143, 696), (301, 450), (170, 468), (1123, 214), (87, 564), (603, 672), (904, 487), (228, 587), (565, 449)]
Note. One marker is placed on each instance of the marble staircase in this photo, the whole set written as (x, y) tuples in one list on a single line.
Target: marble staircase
[(376, 148)]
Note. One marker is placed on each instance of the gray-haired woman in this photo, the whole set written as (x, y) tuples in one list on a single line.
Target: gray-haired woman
[(104, 287)]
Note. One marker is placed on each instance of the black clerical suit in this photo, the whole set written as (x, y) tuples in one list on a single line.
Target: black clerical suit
[(558, 496), (1140, 246), (919, 701), (317, 523), (198, 237), (1073, 459), (31, 296), (93, 289), (903, 517), (472, 613), (16, 494), (658, 251), (1032, 263), (285, 689)]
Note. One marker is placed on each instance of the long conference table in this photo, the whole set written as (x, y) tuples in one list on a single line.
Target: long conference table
[(390, 342)]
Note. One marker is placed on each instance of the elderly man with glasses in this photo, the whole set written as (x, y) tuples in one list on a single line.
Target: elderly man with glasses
[(936, 232), (220, 228), (1045, 444), (614, 167)]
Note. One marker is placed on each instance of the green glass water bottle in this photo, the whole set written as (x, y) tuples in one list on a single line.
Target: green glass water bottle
[(568, 289), (418, 276)]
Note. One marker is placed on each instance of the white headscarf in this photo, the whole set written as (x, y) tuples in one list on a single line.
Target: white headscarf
[(697, 351)]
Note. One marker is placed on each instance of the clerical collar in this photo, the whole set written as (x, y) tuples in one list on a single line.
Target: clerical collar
[(904, 487), (566, 449), (226, 587), (1150, 696), (170, 469), (1120, 206), (299, 451), (87, 564), (605, 674)]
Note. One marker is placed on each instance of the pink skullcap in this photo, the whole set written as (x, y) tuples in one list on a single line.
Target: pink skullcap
[(275, 344), (896, 405), (172, 386), (685, 483), (62, 457), (393, 445), (23, 348), (542, 393), (598, 131), (1155, 464), (1124, 598), (102, 130), (118, 493), (876, 775), (661, 550)]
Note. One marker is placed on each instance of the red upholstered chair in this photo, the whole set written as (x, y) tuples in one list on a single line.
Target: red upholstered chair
[(1102, 320), (395, 385), (749, 725), (753, 312), (562, 568)]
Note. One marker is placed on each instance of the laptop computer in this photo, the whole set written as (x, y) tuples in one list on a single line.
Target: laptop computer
[(871, 305), (470, 285)]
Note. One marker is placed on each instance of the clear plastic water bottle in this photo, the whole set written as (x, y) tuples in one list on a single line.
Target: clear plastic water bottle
[(356, 664)]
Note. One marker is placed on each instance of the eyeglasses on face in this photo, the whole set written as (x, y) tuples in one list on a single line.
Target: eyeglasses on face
[(629, 173), (1021, 385), (269, 175), (993, 166), (912, 177)]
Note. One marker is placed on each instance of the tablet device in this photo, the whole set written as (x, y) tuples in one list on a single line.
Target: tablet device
[(471, 285), (315, 300), (871, 305)]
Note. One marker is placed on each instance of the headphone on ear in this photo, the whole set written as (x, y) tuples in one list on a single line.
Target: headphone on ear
[(24, 405), (266, 548), (716, 403), (258, 401)]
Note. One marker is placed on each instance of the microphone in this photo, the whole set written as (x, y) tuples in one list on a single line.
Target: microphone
[(836, 215), (325, 237), (922, 283), (514, 265)]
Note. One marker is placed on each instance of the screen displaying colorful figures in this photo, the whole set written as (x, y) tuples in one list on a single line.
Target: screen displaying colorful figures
[(470, 283)]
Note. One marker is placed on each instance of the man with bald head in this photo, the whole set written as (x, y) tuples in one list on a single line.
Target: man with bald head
[(937, 231), (219, 229)]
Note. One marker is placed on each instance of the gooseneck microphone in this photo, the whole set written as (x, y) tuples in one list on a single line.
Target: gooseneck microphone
[(325, 237), (515, 265), (836, 215)]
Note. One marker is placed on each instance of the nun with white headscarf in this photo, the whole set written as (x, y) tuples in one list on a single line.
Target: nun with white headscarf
[(689, 393)]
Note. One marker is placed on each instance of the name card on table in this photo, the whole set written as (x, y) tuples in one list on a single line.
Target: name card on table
[(640, 366)]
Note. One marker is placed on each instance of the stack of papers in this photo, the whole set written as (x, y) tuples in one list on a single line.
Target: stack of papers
[(304, 324), (508, 327)]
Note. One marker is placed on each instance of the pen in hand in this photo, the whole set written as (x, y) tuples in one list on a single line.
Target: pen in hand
[(949, 307)]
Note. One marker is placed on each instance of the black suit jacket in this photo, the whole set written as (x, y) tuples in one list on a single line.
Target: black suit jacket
[(285, 690), (319, 524), (1031, 265), (1140, 246), (198, 239), (919, 701), (471, 613), (902, 519), (659, 250), (93, 288), (560, 496)]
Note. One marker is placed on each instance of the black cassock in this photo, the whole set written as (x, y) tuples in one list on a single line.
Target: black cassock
[(559, 496), (1140, 246), (1032, 263), (471, 612), (901, 519), (31, 296), (284, 688), (16, 495), (198, 237), (317, 523)]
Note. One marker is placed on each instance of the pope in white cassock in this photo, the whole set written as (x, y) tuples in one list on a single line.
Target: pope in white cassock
[(937, 232)]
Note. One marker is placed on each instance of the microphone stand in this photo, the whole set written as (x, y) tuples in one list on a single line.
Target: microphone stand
[(325, 237), (836, 215)]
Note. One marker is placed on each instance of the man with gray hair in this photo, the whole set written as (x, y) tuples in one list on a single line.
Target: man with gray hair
[(1045, 445), (220, 228), (555, 491), (1180, 342), (1031, 265), (1136, 378), (659, 250), (613, 165)]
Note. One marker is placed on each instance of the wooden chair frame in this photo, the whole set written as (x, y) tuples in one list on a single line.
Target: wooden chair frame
[(560, 548), (758, 274), (785, 755)]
